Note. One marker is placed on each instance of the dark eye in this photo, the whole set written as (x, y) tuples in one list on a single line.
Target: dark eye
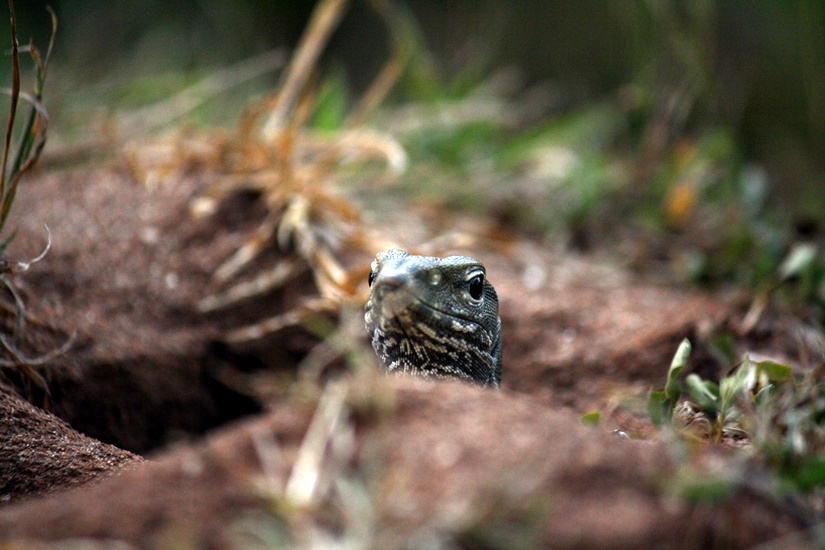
[(372, 277), (477, 287)]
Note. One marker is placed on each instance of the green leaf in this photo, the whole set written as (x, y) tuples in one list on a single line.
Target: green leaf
[(592, 418), (723, 346), (729, 389), (657, 407), (672, 387), (660, 404), (705, 394), (808, 475), (732, 387), (776, 372)]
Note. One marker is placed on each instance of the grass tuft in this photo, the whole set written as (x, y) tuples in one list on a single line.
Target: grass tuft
[(294, 149), (33, 134), (17, 161)]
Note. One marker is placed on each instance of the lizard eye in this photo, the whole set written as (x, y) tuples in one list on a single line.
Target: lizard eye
[(476, 287), (371, 278)]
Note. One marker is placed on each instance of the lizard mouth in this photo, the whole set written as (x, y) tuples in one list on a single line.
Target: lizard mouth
[(395, 305)]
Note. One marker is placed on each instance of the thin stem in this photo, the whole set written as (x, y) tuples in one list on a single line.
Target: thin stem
[(15, 91)]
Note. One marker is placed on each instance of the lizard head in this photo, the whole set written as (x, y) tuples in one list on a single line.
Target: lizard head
[(434, 317)]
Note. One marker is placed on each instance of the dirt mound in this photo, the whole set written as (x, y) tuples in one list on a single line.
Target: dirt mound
[(41, 453), (445, 462), (410, 463), (124, 276)]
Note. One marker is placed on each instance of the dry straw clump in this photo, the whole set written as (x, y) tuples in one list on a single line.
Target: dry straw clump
[(295, 170)]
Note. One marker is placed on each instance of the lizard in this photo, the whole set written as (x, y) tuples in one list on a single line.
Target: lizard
[(434, 317)]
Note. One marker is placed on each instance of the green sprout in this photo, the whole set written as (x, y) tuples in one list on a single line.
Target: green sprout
[(718, 401), (660, 404)]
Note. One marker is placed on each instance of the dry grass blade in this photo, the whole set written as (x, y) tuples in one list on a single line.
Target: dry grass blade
[(30, 146), (26, 365), (323, 21), (15, 94), (295, 170), (33, 136), (256, 287), (302, 483), (293, 317), (271, 460), (377, 92), (21, 361), (20, 266), (249, 250)]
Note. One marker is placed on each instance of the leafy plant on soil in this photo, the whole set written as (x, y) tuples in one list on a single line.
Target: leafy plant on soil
[(17, 160), (779, 412), (724, 405)]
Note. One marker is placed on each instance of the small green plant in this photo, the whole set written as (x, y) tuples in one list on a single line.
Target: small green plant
[(789, 429), (780, 412), (660, 404), (751, 381), (725, 404)]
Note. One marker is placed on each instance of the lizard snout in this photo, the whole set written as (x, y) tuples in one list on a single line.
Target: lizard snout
[(390, 279)]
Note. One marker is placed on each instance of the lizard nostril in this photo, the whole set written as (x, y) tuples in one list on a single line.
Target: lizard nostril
[(382, 287)]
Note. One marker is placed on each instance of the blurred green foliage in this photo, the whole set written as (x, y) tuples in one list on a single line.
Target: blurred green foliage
[(779, 410), (691, 130)]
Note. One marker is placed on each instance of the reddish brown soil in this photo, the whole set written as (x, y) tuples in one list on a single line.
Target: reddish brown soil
[(474, 460), (416, 463), (41, 453)]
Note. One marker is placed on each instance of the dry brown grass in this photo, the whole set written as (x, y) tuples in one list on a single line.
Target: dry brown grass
[(295, 171)]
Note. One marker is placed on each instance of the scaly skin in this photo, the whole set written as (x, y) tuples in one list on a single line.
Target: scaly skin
[(434, 317)]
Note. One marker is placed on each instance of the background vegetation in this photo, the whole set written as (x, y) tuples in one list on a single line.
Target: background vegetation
[(680, 134)]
